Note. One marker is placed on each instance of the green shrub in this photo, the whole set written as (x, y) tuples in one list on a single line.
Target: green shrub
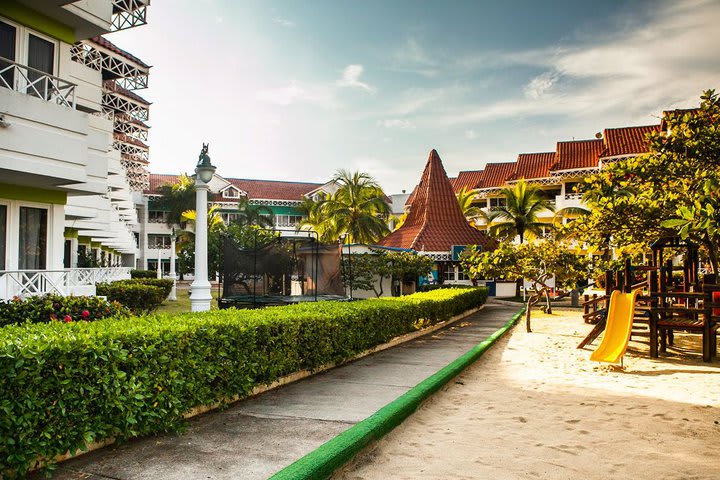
[(67, 384), (140, 297), (143, 274), (49, 308), (163, 283)]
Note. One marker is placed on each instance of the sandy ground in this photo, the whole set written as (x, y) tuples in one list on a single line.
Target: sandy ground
[(535, 407)]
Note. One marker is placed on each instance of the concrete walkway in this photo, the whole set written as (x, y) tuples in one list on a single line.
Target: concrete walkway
[(259, 436)]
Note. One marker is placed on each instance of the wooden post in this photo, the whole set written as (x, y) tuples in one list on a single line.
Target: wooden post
[(628, 277)]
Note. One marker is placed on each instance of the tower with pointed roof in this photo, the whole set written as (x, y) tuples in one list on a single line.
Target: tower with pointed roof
[(435, 222)]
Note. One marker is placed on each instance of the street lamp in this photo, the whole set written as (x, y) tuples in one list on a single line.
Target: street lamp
[(344, 236), (173, 277), (200, 289)]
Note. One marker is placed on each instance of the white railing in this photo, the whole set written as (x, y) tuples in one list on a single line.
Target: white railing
[(37, 83), (69, 281), (573, 196)]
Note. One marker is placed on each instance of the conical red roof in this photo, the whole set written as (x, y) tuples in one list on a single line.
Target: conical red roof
[(435, 222)]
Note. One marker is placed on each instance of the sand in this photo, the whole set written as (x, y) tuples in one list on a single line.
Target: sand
[(535, 407)]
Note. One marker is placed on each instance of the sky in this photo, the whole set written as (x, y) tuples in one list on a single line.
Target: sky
[(296, 90)]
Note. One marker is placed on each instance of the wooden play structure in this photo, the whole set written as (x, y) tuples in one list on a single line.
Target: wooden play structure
[(668, 298)]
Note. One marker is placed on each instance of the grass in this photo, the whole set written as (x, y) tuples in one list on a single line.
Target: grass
[(182, 304)]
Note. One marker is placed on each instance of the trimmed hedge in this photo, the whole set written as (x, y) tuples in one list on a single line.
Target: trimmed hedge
[(143, 274), (68, 384), (140, 295), (56, 308)]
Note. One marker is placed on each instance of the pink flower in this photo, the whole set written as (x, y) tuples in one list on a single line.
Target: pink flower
[(53, 316), (68, 318), (85, 314)]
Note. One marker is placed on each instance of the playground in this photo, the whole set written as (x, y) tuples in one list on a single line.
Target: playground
[(536, 407)]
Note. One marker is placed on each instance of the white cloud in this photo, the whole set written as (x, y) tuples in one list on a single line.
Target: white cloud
[(396, 123), (411, 57), (471, 134), (351, 78), (294, 92), (541, 85), (630, 75), (283, 22)]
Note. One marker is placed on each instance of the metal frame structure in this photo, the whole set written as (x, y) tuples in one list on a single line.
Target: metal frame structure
[(129, 14)]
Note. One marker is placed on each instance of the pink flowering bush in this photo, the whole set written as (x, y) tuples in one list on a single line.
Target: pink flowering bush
[(55, 308)]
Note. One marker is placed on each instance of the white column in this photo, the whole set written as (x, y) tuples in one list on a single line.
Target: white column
[(173, 277), (200, 289), (159, 263)]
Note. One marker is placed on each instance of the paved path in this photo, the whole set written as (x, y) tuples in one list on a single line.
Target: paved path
[(258, 437)]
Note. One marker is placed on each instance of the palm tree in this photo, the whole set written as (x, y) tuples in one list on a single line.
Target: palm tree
[(357, 208), (176, 198), (249, 214), (313, 219), (465, 199), (520, 215)]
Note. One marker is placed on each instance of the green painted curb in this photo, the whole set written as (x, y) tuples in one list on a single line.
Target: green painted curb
[(332, 455)]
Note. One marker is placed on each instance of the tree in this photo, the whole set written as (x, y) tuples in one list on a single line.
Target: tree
[(176, 198), (520, 214), (670, 191), (249, 214), (367, 271), (537, 262), (357, 208), (313, 219), (465, 199)]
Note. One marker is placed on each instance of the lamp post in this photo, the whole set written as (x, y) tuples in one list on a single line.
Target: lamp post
[(200, 296), (158, 270), (173, 277), (343, 236)]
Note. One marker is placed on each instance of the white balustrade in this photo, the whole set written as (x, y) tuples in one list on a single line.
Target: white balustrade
[(69, 281), (37, 83)]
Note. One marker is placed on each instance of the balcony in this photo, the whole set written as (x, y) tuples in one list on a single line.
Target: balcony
[(37, 83), (69, 281), (569, 200)]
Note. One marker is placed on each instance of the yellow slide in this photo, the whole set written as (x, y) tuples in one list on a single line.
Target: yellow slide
[(618, 327)]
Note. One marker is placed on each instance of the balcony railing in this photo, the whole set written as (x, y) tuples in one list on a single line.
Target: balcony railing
[(573, 196), (37, 83), (69, 281)]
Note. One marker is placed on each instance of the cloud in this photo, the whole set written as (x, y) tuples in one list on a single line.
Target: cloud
[(398, 123), (411, 57), (632, 74), (351, 78), (283, 22), (471, 134), (541, 85), (294, 92)]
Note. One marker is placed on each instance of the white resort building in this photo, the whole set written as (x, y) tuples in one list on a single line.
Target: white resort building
[(72, 152)]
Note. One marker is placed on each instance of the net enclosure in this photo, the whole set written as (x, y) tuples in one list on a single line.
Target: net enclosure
[(279, 268)]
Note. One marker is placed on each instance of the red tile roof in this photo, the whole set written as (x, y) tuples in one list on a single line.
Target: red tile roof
[(256, 189), (626, 140), (534, 165), (577, 154), (469, 180), (273, 189), (104, 42), (435, 222), (496, 174)]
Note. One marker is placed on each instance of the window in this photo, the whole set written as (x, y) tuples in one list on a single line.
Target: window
[(229, 218), (462, 275), (498, 202), (231, 193), (7, 50), (287, 220), (157, 216), (41, 56), (158, 241), (3, 235), (32, 244), (450, 274)]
